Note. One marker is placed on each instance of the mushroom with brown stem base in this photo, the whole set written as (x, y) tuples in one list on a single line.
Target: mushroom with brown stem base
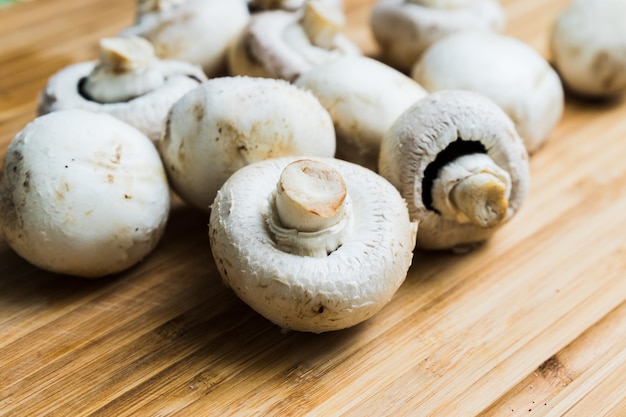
[(588, 43), (230, 122), (129, 83), (506, 70), (312, 245), (457, 159), (281, 44), (82, 194), (405, 28), (196, 31)]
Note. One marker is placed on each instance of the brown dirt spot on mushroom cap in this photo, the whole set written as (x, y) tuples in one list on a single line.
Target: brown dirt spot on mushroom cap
[(198, 111), (610, 69)]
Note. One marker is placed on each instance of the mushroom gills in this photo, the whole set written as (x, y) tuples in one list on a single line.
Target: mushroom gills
[(465, 185), (310, 209)]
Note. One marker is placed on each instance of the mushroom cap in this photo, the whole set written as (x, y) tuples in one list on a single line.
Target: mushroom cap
[(82, 194), (230, 122), (404, 29), (588, 44), (431, 126), (146, 112), (196, 31), (307, 293), (274, 45), (506, 70), (364, 97)]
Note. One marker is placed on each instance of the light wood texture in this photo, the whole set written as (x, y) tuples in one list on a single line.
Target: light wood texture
[(533, 323)]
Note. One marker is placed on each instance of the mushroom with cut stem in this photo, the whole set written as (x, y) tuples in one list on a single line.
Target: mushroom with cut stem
[(230, 122), (457, 159), (588, 44), (83, 194), (506, 70), (364, 97), (405, 28), (281, 44), (128, 82), (196, 31), (313, 245)]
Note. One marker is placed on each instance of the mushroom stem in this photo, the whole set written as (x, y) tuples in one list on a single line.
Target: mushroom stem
[(322, 22), (472, 188), (311, 209), (127, 69)]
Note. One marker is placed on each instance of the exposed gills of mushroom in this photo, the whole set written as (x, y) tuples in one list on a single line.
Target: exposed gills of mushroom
[(473, 189), (127, 69), (441, 4), (322, 22), (150, 6)]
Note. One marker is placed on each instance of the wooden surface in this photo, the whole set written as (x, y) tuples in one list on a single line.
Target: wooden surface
[(533, 323)]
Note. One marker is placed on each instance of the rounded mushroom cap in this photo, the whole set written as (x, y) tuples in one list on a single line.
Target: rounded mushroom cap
[(82, 194), (146, 112), (506, 70), (196, 31), (404, 29), (458, 122), (364, 97), (230, 122), (314, 294), (588, 43), (275, 45)]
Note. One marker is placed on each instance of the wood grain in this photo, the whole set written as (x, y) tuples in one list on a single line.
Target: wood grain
[(532, 323)]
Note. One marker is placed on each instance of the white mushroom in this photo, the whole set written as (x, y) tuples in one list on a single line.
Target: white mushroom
[(405, 28), (230, 122), (82, 194), (588, 43), (457, 159), (312, 245), (502, 68), (364, 97), (128, 82), (197, 31), (281, 44), (292, 5)]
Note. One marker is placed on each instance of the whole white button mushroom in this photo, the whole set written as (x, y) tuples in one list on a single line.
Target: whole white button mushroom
[(457, 159), (230, 122), (312, 245), (128, 82), (82, 194), (506, 70), (588, 44), (362, 109), (282, 44), (196, 31), (405, 28)]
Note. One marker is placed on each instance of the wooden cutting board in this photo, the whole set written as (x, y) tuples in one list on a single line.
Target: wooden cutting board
[(533, 323)]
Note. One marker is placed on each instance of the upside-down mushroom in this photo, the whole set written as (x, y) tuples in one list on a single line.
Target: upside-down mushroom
[(230, 122), (457, 159), (405, 28), (312, 245), (506, 70), (196, 31), (128, 82), (82, 194), (282, 44)]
